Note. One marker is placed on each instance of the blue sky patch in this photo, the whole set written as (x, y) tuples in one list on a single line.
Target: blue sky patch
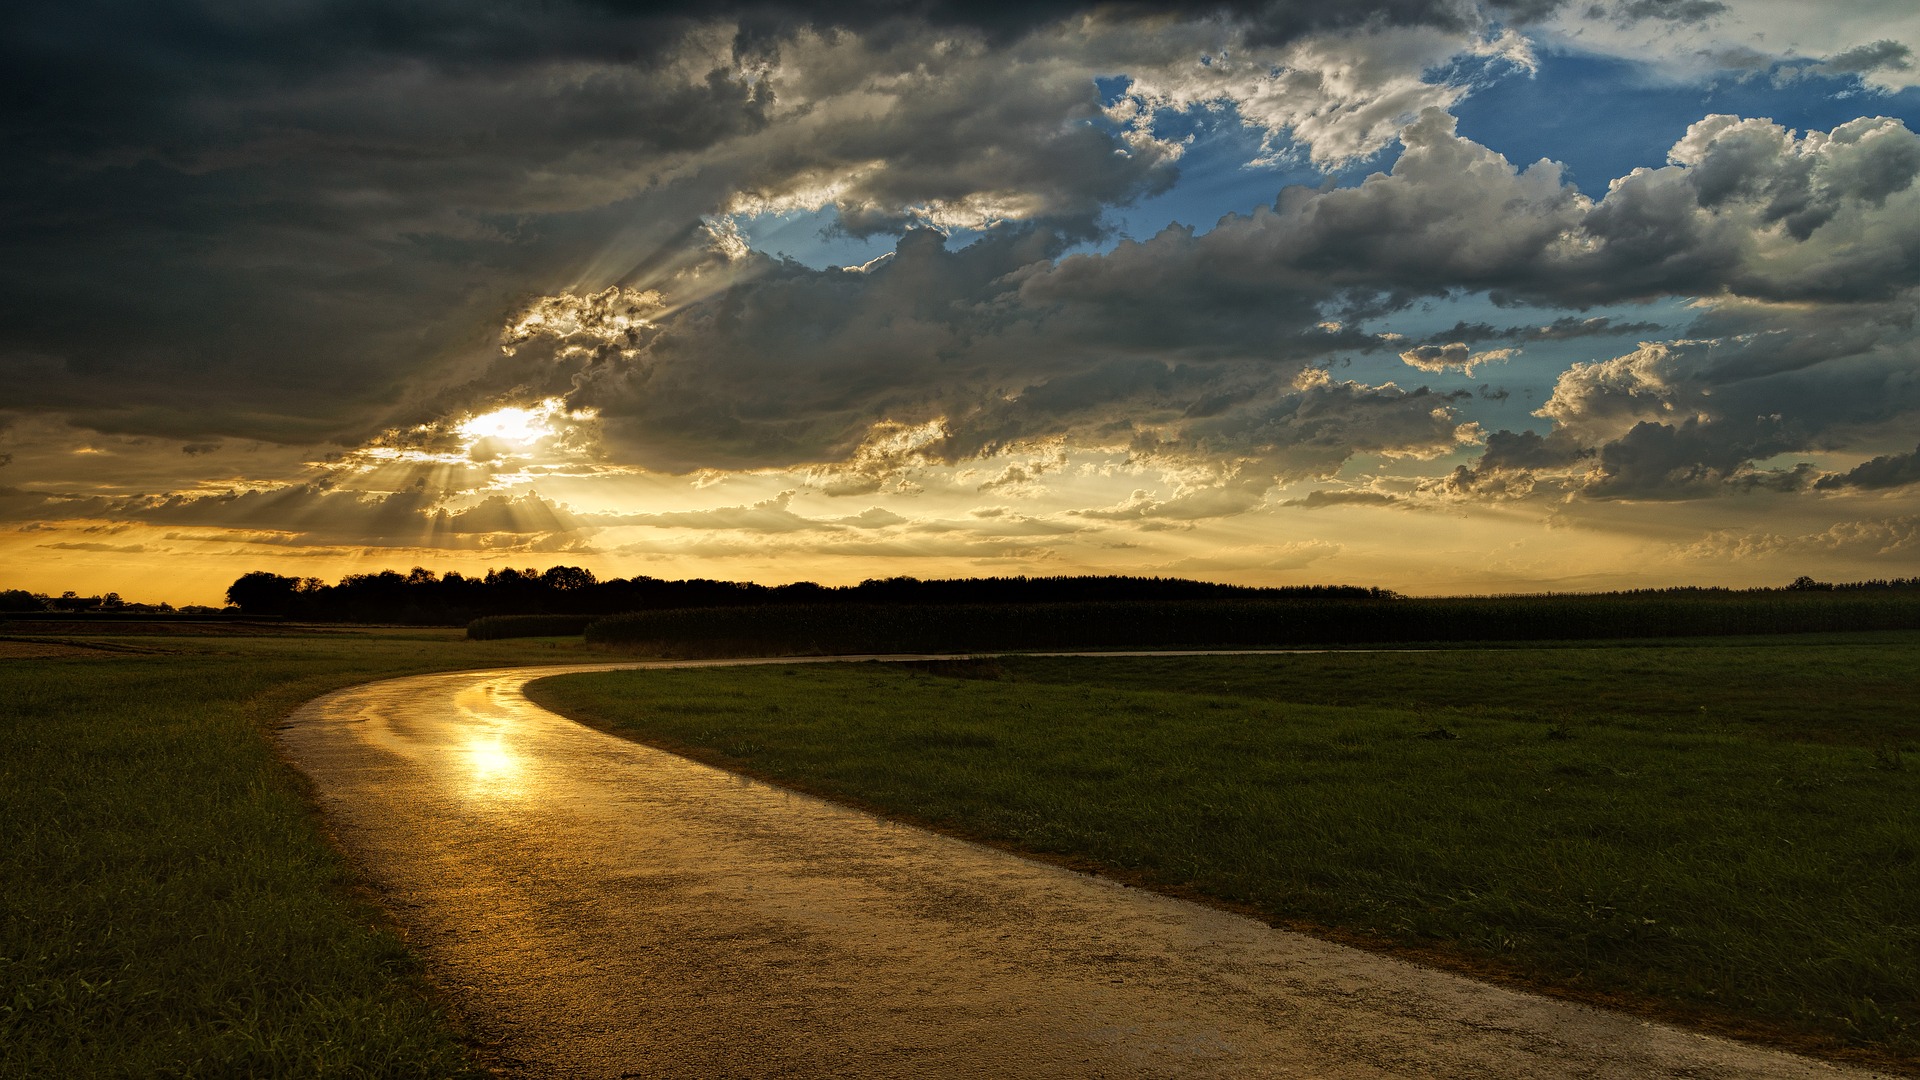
[(1603, 117)]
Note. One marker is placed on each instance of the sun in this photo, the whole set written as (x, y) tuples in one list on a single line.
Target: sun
[(519, 432), (517, 426)]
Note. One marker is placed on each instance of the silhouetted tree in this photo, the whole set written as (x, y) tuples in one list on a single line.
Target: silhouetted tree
[(22, 600), (262, 593), (563, 578)]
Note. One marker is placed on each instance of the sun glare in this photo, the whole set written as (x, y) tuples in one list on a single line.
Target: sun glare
[(494, 772), (542, 428), (491, 760), (513, 425)]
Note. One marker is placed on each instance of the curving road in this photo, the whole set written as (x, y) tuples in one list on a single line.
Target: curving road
[(597, 908)]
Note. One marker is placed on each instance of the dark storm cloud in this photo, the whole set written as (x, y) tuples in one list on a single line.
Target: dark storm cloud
[(308, 222), (79, 70), (1863, 59), (795, 366), (1450, 215), (1280, 22), (1568, 327), (267, 221), (1192, 344), (1526, 450), (965, 138), (1885, 471), (1269, 21), (1507, 466), (1675, 11), (262, 224), (1321, 425), (1694, 457), (1564, 328)]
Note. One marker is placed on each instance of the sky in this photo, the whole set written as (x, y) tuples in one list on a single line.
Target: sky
[(1442, 296)]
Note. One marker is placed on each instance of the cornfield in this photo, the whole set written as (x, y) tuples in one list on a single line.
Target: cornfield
[(887, 628)]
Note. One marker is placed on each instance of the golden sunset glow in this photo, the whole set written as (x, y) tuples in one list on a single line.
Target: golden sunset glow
[(517, 427), (1158, 296)]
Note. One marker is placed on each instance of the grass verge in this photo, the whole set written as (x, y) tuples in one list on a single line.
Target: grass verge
[(170, 906), (1722, 834)]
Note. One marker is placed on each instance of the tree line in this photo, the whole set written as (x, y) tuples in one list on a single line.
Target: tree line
[(20, 601), (423, 597)]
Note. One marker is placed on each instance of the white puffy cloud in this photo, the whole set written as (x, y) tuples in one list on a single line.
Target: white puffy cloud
[(1340, 97), (1453, 356), (1600, 401), (1699, 415)]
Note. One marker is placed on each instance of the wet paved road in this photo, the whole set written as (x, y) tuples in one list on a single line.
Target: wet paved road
[(598, 908)]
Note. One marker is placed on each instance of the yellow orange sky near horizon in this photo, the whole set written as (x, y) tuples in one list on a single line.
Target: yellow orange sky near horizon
[(1044, 512)]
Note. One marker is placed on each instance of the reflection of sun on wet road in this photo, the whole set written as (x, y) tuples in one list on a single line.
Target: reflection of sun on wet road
[(488, 756), (493, 767), (600, 908)]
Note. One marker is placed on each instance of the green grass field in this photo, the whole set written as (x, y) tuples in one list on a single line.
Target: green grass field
[(1726, 833), (169, 906)]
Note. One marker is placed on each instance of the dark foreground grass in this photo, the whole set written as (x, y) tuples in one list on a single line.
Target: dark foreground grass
[(168, 906), (1728, 835)]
